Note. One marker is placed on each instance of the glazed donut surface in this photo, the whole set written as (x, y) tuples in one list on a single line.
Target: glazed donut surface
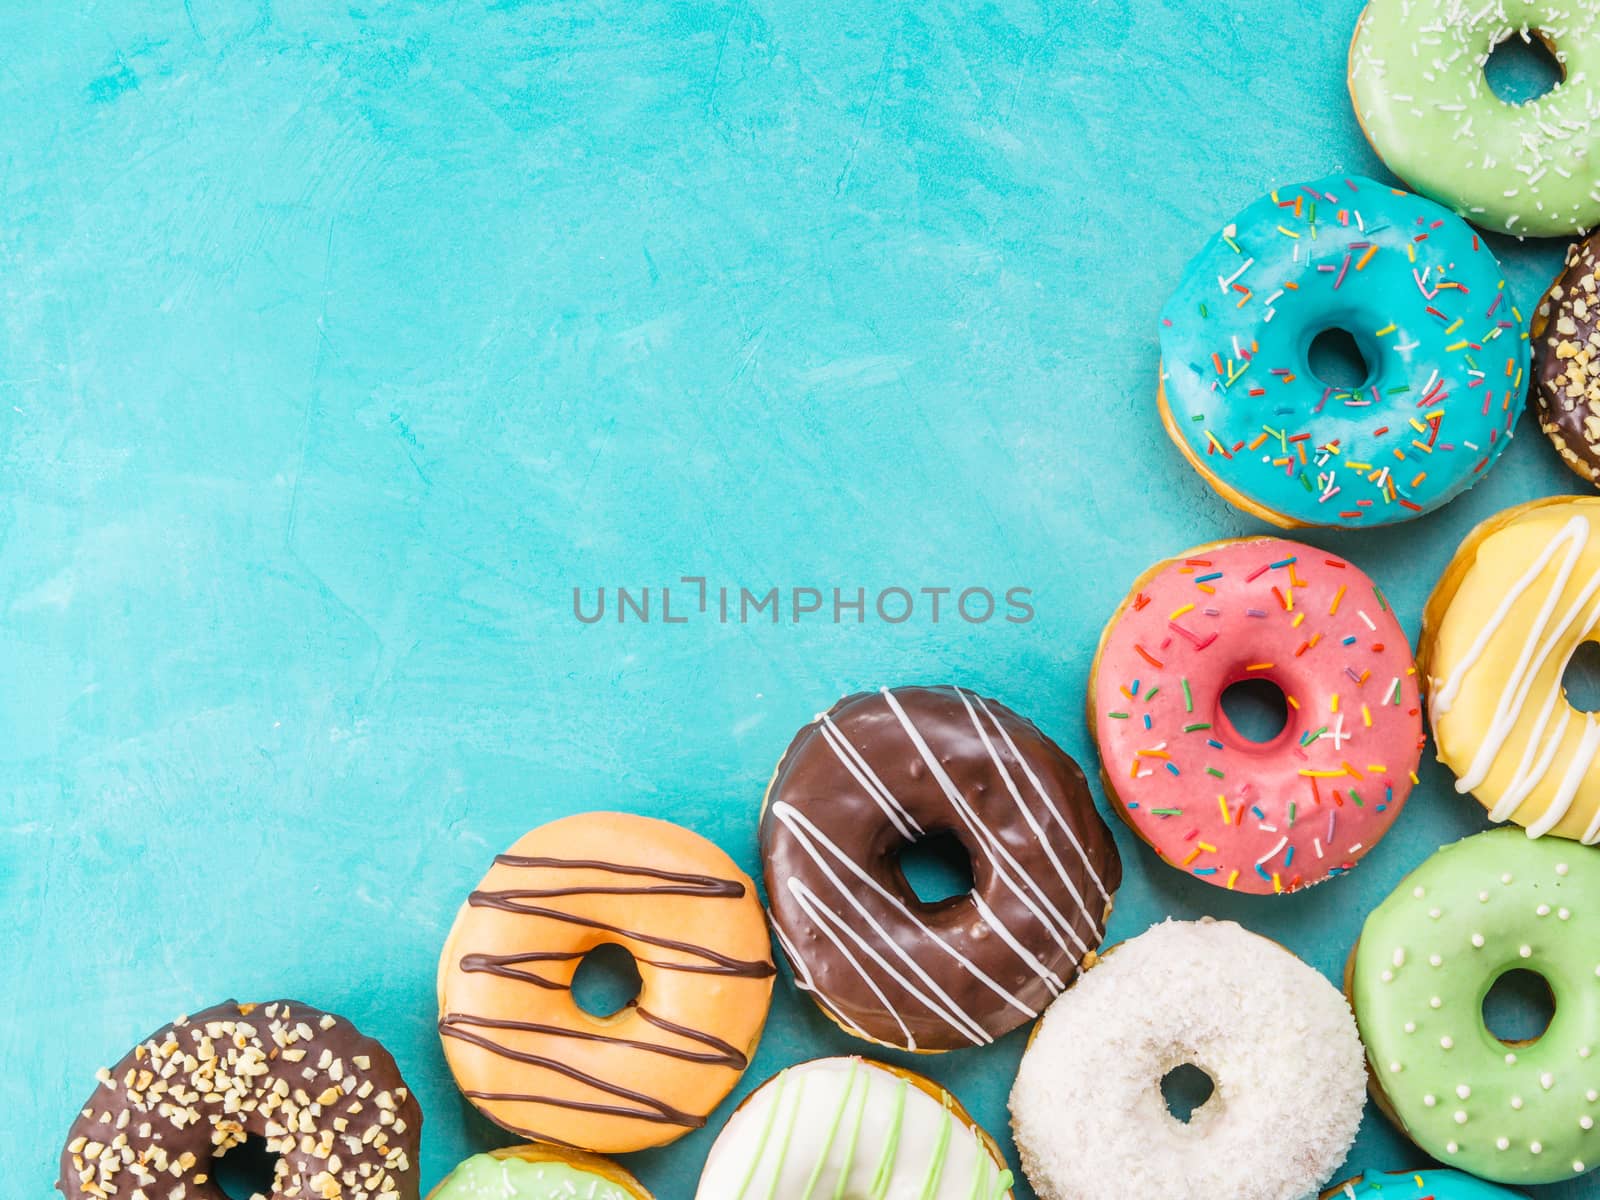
[(1517, 600), (850, 1127), (530, 1058), (878, 772), (327, 1101), (1262, 817), (1428, 955)]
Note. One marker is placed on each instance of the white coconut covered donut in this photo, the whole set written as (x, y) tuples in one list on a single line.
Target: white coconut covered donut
[(1276, 1038), (852, 1128)]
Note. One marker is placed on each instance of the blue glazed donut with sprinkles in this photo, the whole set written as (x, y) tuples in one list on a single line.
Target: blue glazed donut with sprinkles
[(1443, 346)]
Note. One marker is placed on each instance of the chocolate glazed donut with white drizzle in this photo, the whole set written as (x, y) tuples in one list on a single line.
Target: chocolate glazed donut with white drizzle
[(883, 770)]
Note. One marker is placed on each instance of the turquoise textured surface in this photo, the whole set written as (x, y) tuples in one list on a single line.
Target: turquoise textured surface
[(342, 342), (1422, 297)]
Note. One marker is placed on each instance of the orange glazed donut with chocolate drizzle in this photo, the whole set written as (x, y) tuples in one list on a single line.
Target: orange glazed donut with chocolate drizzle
[(519, 1045)]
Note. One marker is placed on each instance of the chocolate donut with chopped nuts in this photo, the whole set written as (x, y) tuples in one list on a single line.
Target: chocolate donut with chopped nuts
[(1566, 361), (327, 1101)]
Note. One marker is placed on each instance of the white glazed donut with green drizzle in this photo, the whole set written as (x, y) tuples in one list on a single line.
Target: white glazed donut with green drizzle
[(1417, 80), (852, 1129)]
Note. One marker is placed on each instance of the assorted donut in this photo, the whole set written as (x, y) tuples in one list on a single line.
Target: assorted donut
[(882, 770), (523, 1050), (1253, 816), (1427, 956), (1425, 302), (1448, 367), (1275, 1037)]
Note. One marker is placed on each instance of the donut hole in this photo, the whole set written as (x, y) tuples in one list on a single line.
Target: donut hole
[(1185, 1089), (1336, 358), (1580, 679), (937, 868), (1520, 71), (1518, 1007), (1256, 709), (247, 1170), (606, 981)]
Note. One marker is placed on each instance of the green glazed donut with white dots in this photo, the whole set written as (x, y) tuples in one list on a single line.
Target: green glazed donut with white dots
[(1428, 955), (1418, 84)]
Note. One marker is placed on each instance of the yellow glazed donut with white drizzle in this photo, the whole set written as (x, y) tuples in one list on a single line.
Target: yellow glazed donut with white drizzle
[(1519, 597), (852, 1127)]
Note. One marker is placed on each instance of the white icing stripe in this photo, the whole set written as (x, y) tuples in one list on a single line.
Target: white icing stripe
[(1032, 821), (1582, 760), (1576, 529), (905, 824), (804, 831), (1514, 695), (1001, 858), (1051, 980), (821, 917), (1540, 750), (1044, 797)]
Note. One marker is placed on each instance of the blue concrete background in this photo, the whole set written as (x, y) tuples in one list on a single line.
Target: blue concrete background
[(341, 342)]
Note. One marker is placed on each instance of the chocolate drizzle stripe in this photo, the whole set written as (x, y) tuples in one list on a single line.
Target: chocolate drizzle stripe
[(699, 885), (649, 1108), (507, 901), (704, 1048), (720, 1054)]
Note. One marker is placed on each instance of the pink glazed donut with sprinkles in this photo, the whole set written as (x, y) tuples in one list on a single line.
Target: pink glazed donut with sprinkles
[(1305, 805)]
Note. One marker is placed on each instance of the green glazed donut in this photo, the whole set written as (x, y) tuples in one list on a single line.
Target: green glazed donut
[(538, 1173), (1428, 956), (1416, 77)]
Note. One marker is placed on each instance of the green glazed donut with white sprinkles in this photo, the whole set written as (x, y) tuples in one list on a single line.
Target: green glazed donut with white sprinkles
[(1519, 1113), (1421, 96)]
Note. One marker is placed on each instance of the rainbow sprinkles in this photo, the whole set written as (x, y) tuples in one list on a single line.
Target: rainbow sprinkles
[(1272, 816), (1424, 300)]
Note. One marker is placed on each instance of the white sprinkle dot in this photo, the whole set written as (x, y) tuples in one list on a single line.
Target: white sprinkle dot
[(1435, 1002), (1543, 910), (1577, 1166), (1483, 897), (1547, 1081), (1536, 1147), (1451, 1147), (1447, 1041), (1516, 1103), (1506, 878), (1511, 1059), (1584, 1051), (1461, 1116), (1387, 976), (1463, 1091), (1434, 913), (1561, 868), (1418, 893), (1526, 951), (1411, 1027), (1477, 941), (1586, 1122), (1564, 913), (1399, 956), (1395, 1068), (1591, 1095), (1434, 960), (1503, 1143), (1430, 1100)]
